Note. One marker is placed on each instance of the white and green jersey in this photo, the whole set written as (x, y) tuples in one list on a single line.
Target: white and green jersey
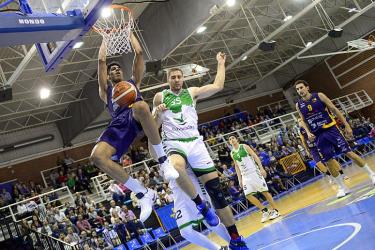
[(180, 120), (244, 161)]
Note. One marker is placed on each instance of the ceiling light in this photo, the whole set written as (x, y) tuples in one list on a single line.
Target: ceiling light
[(231, 3), (106, 12), (352, 10), (44, 93), (244, 58), (287, 18), (78, 45), (308, 44), (335, 33), (201, 29)]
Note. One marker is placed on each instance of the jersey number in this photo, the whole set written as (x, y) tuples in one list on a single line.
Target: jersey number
[(309, 107), (178, 214), (176, 101)]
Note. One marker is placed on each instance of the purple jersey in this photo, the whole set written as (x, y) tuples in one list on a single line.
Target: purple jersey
[(123, 128), (114, 109), (316, 114)]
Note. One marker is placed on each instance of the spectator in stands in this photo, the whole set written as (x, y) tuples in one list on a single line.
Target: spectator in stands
[(81, 199), (117, 194), (134, 199), (114, 208), (90, 170), (54, 178), (224, 156), (71, 182), (228, 173), (127, 161), (143, 153), (46, 229), (71, 237), (102, 210), (83, 224), (62, 179), (82, 181), (235, 191), (6, 197), (104, 245), (158, 178), (94, 217), (15, 193), (36, 222), (60, 216), (68, 160)]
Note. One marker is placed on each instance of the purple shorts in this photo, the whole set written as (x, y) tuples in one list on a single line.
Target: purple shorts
[(121, 132), (330, 142), (314, 152)]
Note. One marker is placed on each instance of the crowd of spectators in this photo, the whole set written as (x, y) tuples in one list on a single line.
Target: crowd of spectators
[(93, 226)]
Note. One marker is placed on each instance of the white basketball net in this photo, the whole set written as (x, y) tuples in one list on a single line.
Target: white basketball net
[(115, 30)]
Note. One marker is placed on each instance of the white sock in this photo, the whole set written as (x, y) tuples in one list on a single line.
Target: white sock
[(222, 232), (197, 238), (340, 182), (135, 185), (159, 150), (368, 169)]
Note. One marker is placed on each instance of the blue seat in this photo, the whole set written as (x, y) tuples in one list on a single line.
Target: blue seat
[(159, 233), (312, 164), (120, 247), (133, 244), (147, 239)]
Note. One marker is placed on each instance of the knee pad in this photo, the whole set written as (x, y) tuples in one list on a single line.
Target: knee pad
[(216, 193)]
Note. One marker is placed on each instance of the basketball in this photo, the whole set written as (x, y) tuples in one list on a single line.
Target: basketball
[(124, 94)]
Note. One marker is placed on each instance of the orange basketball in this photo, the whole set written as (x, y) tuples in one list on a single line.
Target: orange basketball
[(124, 94)]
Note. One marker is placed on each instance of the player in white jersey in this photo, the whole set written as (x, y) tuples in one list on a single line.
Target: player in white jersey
[(251, 175), (175, 111), (187, 215)]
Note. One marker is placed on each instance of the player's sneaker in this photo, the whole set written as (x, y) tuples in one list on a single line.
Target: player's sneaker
[(147, 202), (169, 172), (274, 214), (265, 216), (341, 192), (238, 244), (209, 214)]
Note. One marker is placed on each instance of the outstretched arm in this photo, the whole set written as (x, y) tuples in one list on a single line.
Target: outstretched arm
[(102, 72), (337, 112), (217, 85), (138, 63)]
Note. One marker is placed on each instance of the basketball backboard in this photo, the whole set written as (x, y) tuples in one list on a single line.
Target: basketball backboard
[(55, 26)]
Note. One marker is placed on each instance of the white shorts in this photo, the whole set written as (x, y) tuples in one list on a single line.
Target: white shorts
[(195, 153), (185, 211), (253, 183)]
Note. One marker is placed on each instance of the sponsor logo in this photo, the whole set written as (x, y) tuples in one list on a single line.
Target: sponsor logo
[(31, 21)]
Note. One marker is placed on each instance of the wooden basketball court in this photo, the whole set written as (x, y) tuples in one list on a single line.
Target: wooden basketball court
[(312, 213)]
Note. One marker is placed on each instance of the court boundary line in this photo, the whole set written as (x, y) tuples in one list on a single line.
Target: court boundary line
[(357, 227)]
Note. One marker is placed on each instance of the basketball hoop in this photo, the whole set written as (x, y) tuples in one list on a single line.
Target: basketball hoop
[(115, 29)]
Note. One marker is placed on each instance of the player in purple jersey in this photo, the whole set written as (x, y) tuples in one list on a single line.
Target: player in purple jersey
[(126, 124), (316, 110)]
